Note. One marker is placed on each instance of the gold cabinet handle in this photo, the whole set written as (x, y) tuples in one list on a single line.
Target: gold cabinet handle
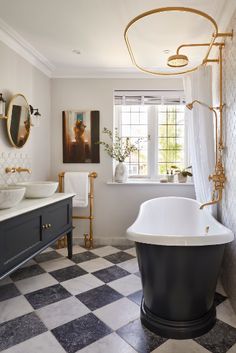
[(46, 226)]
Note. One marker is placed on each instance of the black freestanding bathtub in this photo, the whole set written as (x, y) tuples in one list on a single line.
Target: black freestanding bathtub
[(179, 250)]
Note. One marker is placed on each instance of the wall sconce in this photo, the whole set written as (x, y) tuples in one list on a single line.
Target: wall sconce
[(35, 113), (2, 107)]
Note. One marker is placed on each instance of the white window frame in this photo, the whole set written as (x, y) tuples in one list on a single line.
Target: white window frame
[(153, 142)]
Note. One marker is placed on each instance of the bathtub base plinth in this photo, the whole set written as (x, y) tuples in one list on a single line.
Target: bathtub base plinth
[(178, 329)]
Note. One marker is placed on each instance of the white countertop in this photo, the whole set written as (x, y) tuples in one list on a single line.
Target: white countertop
[(28, 205)]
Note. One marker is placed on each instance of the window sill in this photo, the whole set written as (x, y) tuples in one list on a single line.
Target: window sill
[(150, 182)]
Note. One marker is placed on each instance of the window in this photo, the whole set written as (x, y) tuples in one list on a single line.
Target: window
[(159, 127)]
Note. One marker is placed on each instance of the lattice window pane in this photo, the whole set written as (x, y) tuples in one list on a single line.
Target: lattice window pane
[(134, 124), (170, 137)]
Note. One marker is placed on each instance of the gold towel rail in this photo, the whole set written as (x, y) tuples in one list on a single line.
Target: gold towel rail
[(88, 237)]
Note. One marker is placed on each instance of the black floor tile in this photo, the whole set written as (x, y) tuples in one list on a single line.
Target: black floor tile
[(8, 291), (26, 272), (81, 332), (219, 298), (136, 297), (47, 256), (46, 296), (67, 273), (119, 257), (110, 274), (20, 329), (219, 339), (98, 297), (140, 338), (84, 256), (124, 247)]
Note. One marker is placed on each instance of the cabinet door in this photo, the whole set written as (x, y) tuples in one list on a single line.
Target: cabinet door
[(56, 220), (19, 238)]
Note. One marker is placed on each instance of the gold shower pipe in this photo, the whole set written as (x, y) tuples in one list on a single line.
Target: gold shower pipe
[(170, 9)]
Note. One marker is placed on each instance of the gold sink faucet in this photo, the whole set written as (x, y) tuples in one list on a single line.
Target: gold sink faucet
[(17, 170)]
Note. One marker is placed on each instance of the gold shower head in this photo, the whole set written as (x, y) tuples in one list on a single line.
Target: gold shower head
[(177, 60)]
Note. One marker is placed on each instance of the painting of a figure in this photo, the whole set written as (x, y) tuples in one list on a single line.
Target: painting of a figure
[(80, 136)]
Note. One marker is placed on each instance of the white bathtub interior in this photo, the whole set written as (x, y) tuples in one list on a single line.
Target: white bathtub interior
[(177, 221)]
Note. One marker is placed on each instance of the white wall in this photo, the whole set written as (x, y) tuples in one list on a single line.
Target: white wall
[(19, 76), (116, 206), (228, 206)]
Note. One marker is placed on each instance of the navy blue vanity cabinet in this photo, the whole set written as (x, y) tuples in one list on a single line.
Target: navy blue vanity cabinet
[(24, 236)]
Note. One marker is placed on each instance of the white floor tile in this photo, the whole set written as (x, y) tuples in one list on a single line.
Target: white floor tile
[(220, 288), (119, 313), (130, 265), (12, 308), (225, 313), (131, 251), (44, 343), (109, 344), (180, 346), (95, 265), (34, 283), (76, 250), (126, 285), (56, 264), (61, 312), (105, 251), (81, 284)]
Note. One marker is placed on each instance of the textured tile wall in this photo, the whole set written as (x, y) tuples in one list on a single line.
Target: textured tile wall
[(14, 159), (227, 210)]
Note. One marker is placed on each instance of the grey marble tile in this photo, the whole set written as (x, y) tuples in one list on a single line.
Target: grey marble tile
[(66, 273), (47, 256), (98, 297), (84, 256), (46, 296), (81, 332), (136, 297), (110, 274), (8, 291), (219, 339), (140, 338), (26, 272), (219, 298), (20, 329), (119, 257)]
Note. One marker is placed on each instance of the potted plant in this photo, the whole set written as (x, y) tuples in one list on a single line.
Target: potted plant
[(182, 173), (119, 149), (170, 175)]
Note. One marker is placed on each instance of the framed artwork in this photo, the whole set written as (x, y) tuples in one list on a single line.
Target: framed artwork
[(80, 134)]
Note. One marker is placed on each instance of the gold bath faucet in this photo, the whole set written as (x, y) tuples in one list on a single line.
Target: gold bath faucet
[(17, 170)]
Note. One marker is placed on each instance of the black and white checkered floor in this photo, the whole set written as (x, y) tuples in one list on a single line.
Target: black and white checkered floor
[(90, 304)]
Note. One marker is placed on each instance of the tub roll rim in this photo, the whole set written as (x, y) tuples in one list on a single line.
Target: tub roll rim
[(223, 236)]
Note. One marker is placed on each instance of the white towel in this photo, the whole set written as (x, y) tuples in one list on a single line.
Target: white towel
[(77, 183)]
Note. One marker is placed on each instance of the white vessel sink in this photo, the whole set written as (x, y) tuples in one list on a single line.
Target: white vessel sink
[(10, 196), (39, 189)]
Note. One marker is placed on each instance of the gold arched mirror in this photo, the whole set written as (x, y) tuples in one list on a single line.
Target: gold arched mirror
[(18, 121)]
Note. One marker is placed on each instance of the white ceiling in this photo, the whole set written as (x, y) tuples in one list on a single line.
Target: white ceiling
[(95, 27)]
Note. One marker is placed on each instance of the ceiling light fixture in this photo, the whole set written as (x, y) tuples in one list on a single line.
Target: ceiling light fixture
[(76, 51)]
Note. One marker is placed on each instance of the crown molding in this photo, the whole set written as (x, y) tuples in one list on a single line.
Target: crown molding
[(16, 42)]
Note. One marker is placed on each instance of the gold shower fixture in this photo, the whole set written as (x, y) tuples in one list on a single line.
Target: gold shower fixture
[(179, 60)]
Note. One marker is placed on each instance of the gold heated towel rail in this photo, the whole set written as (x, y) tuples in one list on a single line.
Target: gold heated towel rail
[(88, 238)]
